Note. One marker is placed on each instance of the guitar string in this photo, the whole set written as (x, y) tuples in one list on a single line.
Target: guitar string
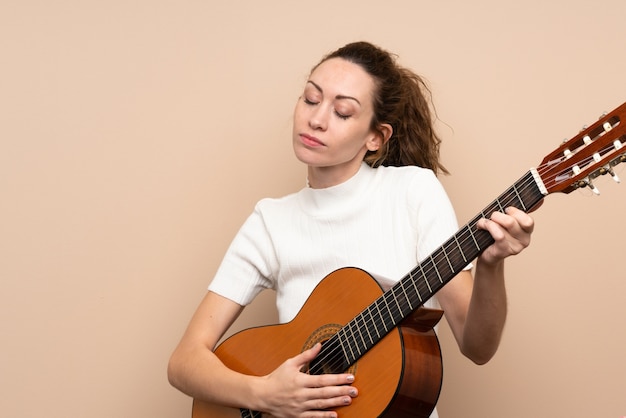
[(421, 287)]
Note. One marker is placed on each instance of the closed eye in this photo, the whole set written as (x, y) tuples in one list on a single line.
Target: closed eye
[(314, 103), (342, 116)]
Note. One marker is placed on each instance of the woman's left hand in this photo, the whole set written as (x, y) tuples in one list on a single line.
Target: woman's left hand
[(510, 230)]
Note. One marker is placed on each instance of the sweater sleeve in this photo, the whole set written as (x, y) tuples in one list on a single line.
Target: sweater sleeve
[(435, 220), (247, 267)]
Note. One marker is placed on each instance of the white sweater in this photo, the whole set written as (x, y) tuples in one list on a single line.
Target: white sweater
[(382, 220)]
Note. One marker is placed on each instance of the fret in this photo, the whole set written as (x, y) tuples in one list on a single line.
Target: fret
[(350, 346), (389, 306), (473, 237), (510, 199), (519, 198), (500, 205), (372, 327), (372, 320), (395, 299), (361, 334), (443, 270), (443, 250), (380, 314), (408, 299), (384, 300), (246, 413), (419, 296), (459, 259), (355, 338), (341, 344), (460, 249), (331, 345), (436, 271), (426, 279)]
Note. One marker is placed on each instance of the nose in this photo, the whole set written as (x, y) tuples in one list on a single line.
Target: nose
[(318, 119)]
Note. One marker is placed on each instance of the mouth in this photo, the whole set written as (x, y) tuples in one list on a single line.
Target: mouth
[(311, 141)]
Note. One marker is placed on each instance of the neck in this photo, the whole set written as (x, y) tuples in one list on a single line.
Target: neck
[(325, 177)]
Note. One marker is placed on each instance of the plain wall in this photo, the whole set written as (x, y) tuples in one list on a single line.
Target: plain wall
[(136, 136)]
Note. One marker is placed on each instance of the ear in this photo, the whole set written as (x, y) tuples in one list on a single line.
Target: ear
[(380, 137)]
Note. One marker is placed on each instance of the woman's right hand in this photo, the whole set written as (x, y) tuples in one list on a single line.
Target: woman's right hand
[(289, 393)]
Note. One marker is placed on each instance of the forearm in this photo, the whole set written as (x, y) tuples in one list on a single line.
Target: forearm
[(486, 314), (197, 372)]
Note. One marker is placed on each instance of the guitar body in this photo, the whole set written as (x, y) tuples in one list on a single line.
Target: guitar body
[(399, 377)]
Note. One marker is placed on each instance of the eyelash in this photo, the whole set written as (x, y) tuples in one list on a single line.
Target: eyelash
[(339, 115)]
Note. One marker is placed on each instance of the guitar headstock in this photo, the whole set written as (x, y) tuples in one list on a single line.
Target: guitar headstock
[(588, 155)]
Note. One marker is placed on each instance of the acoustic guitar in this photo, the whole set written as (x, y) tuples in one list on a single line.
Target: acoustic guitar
[(386, 338)]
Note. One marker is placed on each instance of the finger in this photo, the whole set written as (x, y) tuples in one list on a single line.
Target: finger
[(491, 226), (333, 381), (525, 221), (307, 355), (506, 220), (330, 397)]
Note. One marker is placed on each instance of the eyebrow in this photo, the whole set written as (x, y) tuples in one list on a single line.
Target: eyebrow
[(339, 96)]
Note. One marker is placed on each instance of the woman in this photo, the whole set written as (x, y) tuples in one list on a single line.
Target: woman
[(363, 127)]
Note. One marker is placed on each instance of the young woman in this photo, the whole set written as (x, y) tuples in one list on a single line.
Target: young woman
[(363, 127)]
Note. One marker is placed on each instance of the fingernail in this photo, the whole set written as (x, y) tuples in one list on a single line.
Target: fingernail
[(350, 379)]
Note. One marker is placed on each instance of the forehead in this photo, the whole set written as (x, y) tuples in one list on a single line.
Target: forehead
[(337, 76)]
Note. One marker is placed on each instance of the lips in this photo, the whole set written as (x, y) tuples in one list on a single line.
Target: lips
[(311, 141)]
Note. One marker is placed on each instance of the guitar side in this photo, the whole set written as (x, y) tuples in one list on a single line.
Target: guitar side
[(399, 377)]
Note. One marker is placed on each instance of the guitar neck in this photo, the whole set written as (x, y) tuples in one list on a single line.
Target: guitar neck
[(431, 274)]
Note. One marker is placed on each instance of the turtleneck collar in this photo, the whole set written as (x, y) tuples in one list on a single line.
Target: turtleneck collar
[(335, 199)]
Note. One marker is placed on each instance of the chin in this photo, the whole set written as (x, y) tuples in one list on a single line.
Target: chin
[(304, 155)]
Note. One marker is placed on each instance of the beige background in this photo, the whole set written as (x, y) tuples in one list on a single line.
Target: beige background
[(137, 135)]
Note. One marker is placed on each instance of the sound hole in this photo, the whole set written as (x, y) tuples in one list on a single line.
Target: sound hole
[(321, 335)]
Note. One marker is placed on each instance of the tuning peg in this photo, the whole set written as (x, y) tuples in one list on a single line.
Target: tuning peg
[(607, 169), (587, 182), (593, 188)]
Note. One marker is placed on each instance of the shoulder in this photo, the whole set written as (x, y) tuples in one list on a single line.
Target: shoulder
[(405, 172), (416, 187), (275, 208), (411, 179), (276, 203)]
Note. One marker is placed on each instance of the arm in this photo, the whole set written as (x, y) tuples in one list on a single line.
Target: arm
[(286, 392), (476, 307)]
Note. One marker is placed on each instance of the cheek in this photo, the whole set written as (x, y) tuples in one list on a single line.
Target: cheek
[(299, 109)]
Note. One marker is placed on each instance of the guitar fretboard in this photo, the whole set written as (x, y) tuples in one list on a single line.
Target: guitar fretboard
[(246, 413), (412, 291)]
